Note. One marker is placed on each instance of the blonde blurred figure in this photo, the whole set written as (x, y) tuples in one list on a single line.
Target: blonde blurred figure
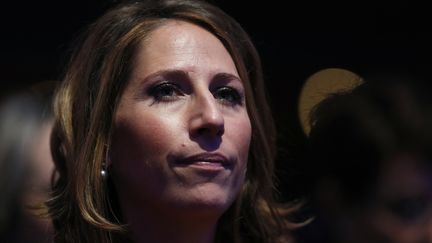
[(25, 168)]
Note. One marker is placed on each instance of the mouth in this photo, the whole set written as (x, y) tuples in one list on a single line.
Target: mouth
[(206, 161)]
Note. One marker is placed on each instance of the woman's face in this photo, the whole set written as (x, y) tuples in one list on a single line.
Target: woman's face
[(182, 131)]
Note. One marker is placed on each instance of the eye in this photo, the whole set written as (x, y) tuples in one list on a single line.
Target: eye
[(165, 92), (228, 95)]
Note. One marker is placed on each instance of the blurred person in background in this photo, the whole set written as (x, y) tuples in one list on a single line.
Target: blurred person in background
[(25, 167), (369, 155)]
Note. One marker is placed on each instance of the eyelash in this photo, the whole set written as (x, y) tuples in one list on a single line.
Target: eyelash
[(166, 92), (235, 98)]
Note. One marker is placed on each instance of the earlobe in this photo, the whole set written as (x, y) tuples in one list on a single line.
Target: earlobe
[(104, 171)]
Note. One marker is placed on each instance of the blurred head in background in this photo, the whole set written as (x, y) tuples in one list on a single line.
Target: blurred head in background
[(25, 167), (370, 149)]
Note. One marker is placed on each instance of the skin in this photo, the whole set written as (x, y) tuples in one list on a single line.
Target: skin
[(180, 145)]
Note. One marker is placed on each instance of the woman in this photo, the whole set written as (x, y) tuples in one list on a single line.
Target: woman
[(163, 133)]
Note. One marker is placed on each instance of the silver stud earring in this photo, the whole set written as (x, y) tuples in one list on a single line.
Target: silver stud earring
[(104, 171)]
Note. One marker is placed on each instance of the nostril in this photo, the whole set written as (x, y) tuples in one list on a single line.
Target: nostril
[(215, 131), (202, 130)]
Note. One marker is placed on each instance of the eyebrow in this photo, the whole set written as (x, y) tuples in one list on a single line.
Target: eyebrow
[(178, 73), (226, 76), (169, 73)]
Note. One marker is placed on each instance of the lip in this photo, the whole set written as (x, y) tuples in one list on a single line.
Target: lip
[(207, 161)]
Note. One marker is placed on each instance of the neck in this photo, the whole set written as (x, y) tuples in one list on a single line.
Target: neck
[(167, 226)]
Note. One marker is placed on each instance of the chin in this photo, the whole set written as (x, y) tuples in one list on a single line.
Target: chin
[(209, 198)]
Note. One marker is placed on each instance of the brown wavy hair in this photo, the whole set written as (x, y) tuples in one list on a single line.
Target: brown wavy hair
[(83, 204)]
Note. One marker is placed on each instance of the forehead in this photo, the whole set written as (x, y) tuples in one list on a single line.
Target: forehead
[(180, 44)]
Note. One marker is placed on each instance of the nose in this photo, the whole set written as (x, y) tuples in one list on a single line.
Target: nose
[(206, 119)]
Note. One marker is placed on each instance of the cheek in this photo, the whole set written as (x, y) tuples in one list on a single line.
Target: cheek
[(142, 139), (240, 133), (139, 148)]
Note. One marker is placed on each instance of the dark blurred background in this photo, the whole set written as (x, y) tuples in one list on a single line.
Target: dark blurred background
[(295, 40)]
